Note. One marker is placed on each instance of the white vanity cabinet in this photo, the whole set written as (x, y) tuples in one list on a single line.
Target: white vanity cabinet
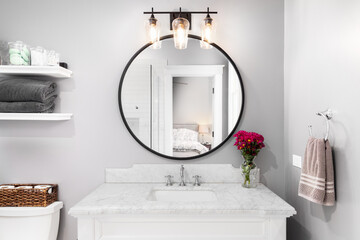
[(170, 227), (134, 206)]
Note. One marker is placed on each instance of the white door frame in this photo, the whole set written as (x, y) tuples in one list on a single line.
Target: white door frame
[(171, 71)]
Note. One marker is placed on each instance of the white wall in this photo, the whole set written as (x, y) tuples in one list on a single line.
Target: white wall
[(322, 59), (192, 100), (97, 38)]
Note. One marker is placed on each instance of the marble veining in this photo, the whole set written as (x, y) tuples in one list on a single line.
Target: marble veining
[(232, 199)]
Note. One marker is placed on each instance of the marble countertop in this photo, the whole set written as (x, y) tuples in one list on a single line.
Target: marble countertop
[(133, 198)]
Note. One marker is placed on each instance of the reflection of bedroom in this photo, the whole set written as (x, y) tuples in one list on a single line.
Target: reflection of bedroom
[(152, 112), (192, 115)]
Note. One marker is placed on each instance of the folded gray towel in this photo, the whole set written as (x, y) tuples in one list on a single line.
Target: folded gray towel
[(28, 107), (24, 90), (50, 110)]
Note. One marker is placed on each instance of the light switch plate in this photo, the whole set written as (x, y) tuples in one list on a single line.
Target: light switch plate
[(296, 161)]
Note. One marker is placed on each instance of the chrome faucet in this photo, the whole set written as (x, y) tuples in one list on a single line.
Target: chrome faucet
[(168, 180), (197, 180), (182, 176)]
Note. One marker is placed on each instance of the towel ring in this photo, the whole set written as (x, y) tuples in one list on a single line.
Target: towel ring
[(327, 114)]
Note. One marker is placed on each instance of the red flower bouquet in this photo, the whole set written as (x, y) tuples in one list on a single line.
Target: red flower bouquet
[(250, 144)]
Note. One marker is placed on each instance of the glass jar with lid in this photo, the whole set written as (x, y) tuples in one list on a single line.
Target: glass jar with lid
[(19, 53)]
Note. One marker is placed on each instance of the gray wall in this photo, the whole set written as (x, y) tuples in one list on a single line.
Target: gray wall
[(97, 38), (322, 59)]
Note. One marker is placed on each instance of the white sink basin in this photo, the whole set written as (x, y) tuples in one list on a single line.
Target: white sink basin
[(185, 195)]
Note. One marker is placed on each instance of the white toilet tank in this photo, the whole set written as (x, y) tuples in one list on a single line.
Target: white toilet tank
[(30, 223)]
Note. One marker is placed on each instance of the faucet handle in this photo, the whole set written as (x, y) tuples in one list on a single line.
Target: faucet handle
[(197, 180), (168, 180)]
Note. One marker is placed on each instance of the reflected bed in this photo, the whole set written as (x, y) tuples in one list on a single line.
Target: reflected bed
[(186, 141)]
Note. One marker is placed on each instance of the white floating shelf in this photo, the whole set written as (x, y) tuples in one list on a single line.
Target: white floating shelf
[(36, 116), (50, 71)]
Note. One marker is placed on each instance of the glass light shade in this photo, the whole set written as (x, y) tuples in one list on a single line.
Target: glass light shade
[(181, 29), (207, 31), (153, 32)]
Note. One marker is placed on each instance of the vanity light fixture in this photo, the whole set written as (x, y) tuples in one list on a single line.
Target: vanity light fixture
[(180, 23), (207, 31), (153, 31), (180, 28)]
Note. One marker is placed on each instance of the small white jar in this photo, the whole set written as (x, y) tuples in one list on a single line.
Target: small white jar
[(38, 56)]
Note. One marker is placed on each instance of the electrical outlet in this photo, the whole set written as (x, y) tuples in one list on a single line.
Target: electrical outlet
[(296, 161)]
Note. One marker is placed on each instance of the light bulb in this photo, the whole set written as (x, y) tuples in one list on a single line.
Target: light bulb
[(207, 30), (153, 32), (181, 29)]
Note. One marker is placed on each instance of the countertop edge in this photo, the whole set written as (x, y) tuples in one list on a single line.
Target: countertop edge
[(151, 213)]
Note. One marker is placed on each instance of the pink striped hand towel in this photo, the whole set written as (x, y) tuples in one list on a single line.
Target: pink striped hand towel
[(317, 173)]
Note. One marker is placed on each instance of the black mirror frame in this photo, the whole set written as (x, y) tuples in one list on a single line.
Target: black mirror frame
[(163, 155)]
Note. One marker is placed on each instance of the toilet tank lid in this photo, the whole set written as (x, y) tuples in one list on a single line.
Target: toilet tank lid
[(30, 211)]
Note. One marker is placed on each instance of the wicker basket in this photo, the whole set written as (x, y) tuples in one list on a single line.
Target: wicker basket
[(28, 197)]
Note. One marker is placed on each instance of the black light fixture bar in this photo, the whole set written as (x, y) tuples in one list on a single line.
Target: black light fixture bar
[(191, 12), (180, 13)]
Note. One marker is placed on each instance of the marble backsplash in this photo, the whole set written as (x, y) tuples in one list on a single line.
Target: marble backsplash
[(155, 173)]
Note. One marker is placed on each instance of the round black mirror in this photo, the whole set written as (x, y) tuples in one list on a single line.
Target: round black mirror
[(181, 104)]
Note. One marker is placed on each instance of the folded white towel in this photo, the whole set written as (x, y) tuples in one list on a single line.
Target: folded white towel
[(24, 187), (44, 187), (7, 187)]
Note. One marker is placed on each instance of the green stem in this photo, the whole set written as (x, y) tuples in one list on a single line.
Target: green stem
[(247, 166), (247, 178)]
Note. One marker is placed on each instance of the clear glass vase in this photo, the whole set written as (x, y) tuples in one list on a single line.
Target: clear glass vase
[(250, 172)]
